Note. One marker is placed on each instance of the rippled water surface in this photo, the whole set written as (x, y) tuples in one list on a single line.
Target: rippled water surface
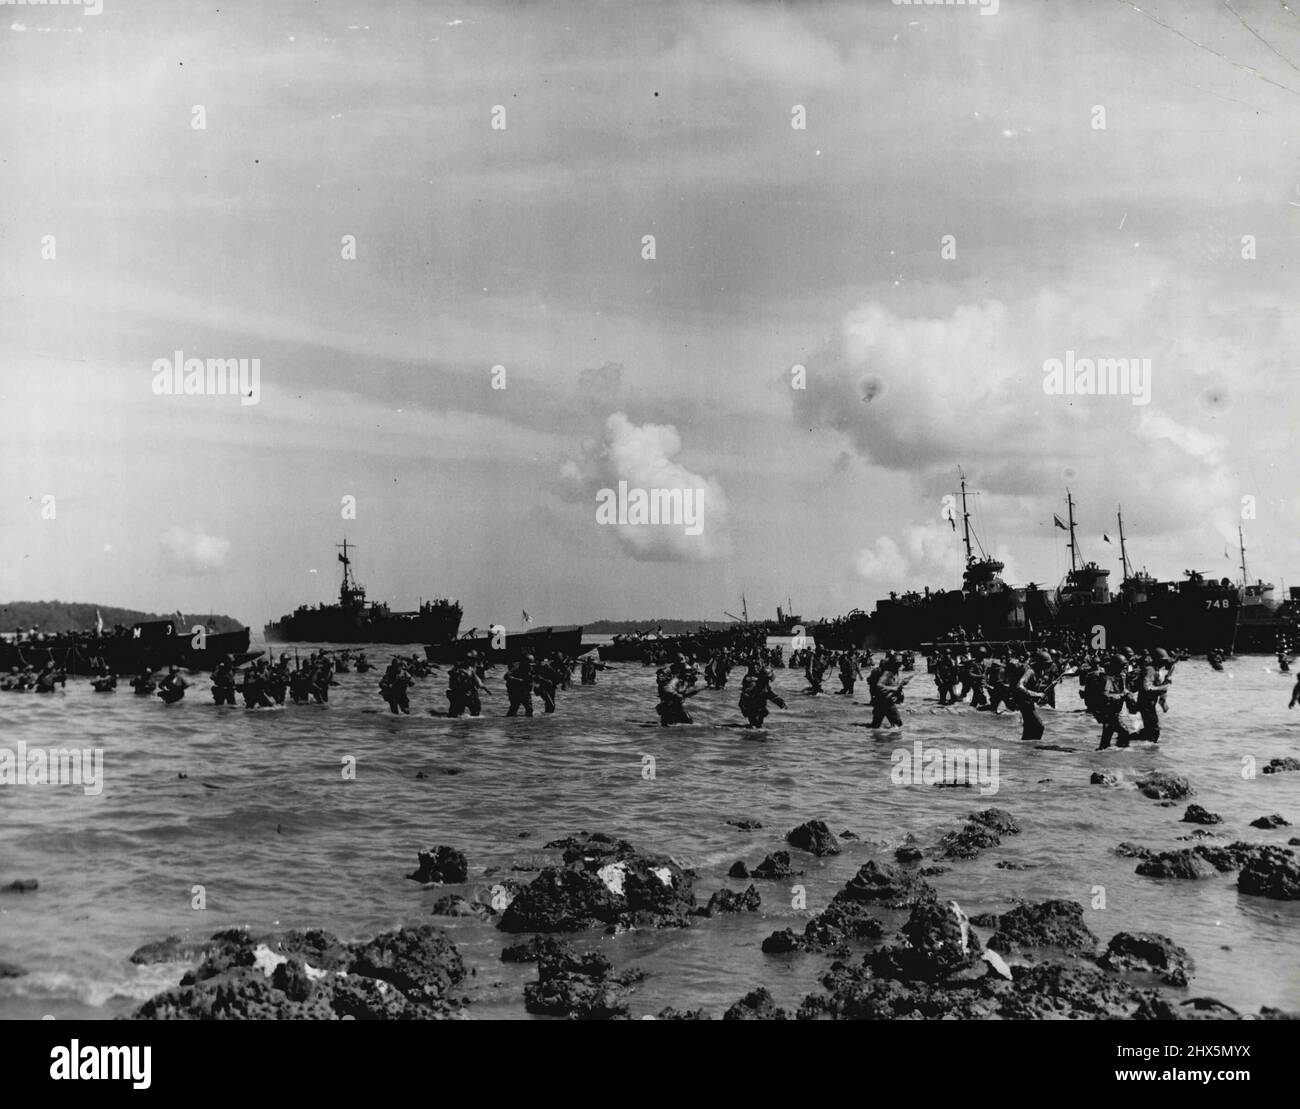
[(266, 823)]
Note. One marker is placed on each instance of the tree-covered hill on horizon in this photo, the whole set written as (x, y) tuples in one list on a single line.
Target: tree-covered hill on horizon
[(65, 616)]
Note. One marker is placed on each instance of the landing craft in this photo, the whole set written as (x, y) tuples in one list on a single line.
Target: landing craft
[(561, 639), (1199, 613), (147, 645)]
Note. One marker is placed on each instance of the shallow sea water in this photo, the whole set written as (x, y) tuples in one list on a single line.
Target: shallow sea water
[(266, 823)]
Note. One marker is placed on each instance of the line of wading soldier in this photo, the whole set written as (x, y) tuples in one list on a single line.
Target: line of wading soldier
[(676, 682), (265, 684), (1111, 683), (29, 679), (466, 683)]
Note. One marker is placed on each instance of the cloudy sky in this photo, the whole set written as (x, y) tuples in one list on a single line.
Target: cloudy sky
[(128, 233)]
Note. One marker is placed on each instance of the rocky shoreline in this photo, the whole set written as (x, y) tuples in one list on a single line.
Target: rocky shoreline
[(1031, 960)]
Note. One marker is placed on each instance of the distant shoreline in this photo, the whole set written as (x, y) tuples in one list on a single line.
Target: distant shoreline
[(74, 616)]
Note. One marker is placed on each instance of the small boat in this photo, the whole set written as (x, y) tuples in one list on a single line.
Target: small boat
[(562, 639)]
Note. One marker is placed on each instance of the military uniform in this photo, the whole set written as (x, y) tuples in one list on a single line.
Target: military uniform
[(519, 687), (755, 693), (885, 693)]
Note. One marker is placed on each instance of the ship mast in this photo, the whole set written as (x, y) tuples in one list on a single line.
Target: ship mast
[(1123, 552), (1069, 502), (744, 611), (1241, 543), (965, 517), (349, 587)]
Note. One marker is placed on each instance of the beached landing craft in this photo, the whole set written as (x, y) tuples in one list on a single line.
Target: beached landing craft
[(355, 620), (147, 645), (1198, 613), (561, 639), (644, 646), (634, 647)]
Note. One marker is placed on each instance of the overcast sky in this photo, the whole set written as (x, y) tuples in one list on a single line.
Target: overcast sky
[(522, 247)]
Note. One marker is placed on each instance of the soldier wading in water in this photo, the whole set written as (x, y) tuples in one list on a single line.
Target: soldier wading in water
[(755, 693), (1030, 691), (886, 692), (463, 688)]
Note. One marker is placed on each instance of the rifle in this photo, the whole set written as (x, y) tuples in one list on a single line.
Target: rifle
[(1038, 695), (896, 692), (667, 694)]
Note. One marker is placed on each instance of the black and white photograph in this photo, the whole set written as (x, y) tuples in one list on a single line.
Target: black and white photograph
[(582, 510)]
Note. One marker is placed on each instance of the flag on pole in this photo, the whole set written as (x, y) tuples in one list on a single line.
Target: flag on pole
[(953, 521), (1105, 537), (341, 558), (1057, 521), (527, 619)]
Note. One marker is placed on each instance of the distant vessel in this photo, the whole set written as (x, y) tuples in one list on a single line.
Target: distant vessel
[(356, 620), (786, 623), (1197, 613), (851, 632), (562, 639), (632, 646), (1264, 624), (986, 608), (1084, 603), (745, 633)]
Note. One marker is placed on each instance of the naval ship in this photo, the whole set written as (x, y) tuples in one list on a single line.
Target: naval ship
[(1197, 613), (356, 620), (1264, 625), (985, 608)]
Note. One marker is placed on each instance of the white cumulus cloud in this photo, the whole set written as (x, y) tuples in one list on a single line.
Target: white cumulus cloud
[(192, 551), (644, 457)]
